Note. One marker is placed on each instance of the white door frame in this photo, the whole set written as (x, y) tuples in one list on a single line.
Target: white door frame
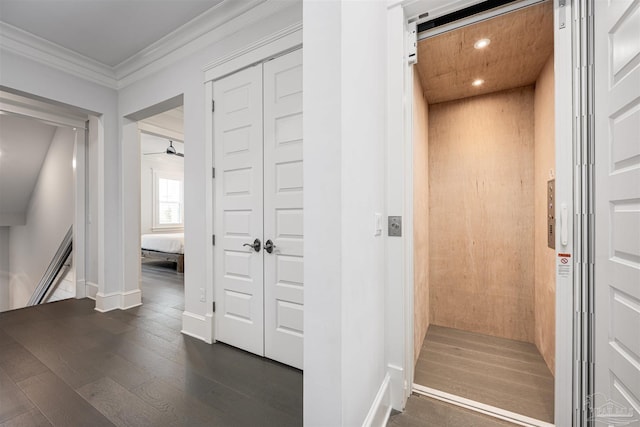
[(276, 44), (24, 106), (399, 274)]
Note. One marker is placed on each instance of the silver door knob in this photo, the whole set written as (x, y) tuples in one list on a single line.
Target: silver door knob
[(256, 245), (269, 246)]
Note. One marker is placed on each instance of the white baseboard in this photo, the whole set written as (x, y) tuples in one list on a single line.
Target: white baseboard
[(118, 300), (381, 407), (397, 386), (131, 299), (91, 290), (107, 302), (512, 417), (198, 326), (80, 288)]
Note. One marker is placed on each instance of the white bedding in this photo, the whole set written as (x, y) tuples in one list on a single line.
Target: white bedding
[(172, 243)]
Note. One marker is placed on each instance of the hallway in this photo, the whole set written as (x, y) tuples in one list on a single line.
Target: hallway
[(66, 364)]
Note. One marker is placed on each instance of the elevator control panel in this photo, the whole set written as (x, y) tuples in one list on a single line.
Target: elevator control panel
[(551, 213)]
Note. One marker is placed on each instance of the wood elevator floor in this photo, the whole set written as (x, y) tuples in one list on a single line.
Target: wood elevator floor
[(65, 364), (504, 373)]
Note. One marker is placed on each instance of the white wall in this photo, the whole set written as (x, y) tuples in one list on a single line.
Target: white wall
[(4, 269), (92, 200), (344, 130), (49, 216)]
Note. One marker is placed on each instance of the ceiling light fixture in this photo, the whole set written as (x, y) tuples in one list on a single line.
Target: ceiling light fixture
[(477, 82), (482, 43)]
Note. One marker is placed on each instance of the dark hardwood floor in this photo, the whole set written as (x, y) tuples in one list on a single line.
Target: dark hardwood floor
[(499, 372), (422, 411), (64, 364)]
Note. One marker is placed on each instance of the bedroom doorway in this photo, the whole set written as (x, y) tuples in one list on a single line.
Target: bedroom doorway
[(162, 211)]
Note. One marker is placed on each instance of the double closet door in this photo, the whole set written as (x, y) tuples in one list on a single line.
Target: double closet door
[(258, 209)]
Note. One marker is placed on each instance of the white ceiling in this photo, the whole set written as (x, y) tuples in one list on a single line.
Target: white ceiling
[(23, 147), (172, 120), (108, 31)]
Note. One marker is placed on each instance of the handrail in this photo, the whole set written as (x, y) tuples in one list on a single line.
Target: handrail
[(56, 265)]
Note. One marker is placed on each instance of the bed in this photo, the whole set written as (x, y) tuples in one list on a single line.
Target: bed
[(164, 246)]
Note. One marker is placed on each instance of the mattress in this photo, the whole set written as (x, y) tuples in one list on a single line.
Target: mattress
[(172, 243)]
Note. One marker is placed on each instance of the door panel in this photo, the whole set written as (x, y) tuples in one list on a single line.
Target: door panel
[(238, 209), (283, 217), (617, 269)]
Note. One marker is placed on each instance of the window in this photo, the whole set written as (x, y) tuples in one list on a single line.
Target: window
[(168, 200)]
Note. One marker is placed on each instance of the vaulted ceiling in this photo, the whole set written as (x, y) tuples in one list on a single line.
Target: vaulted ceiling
[(107, 31), (23, 147)]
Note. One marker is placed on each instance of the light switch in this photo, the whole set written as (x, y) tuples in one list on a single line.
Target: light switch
[(395, 226), (377, 231)]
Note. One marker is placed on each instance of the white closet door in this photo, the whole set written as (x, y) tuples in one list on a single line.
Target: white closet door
[(283, 216), (238, 211), (617, 164)]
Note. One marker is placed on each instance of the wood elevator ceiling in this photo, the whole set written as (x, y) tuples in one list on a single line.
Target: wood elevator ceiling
[(521, 43)]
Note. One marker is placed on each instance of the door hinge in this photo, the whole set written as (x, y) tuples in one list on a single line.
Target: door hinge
[(562, 14), (213, 240), (412, 44), (213, 105), (213, 172), (214, 306)]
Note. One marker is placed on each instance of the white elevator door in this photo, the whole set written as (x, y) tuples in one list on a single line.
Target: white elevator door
[(617, 164), (239, 277), (283, 311), (258, 151)]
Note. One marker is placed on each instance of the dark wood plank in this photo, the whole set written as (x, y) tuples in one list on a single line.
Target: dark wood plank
[(60, 403), (12, 401), (116, 368), (120, 406), (18, 363), (181, 407), (123, 361), (33, 418)]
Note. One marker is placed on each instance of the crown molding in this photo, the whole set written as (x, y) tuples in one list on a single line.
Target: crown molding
[(23, 43), (221, 21), (281, 41), (252, 12), (198, 27)]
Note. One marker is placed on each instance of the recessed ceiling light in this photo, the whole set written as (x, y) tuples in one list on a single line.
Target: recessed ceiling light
[(477, 82), (482, 43)]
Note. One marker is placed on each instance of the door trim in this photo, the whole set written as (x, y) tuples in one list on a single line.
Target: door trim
[(273, 45), (400, 177)]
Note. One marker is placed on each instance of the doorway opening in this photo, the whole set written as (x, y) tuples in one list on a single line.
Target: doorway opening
[(43, 168), (162, 212), (484, 203)]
